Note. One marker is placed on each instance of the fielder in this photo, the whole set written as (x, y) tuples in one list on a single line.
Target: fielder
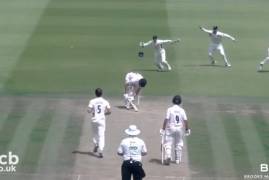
[(216, 37), (160, 55), (266, 60), (99, 108), (134, 82), (175, 126)]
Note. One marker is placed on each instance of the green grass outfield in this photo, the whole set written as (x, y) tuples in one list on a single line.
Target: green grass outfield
[(66, 48)]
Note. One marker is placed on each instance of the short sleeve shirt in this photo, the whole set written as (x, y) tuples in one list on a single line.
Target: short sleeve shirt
[(176, 117), (132, 148), (99, 106)]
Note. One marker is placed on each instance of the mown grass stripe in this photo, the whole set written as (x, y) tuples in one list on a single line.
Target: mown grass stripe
[(262, 129), (20, 139), (25, 18), (235, 138), (48, 161), (222, 154), (37, 138), (6, 105), (11, 123), (71, 137), (252, 143), (199, 147)]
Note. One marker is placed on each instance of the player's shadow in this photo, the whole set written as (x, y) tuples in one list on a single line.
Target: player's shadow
[(146, 70), (120, 107), (205, 65), (85, 153), (263, 71), (155, 161)]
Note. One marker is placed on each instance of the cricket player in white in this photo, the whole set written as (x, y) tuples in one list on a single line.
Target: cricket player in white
[(174, 128), (99, 108), (266, 60), (160, 55), (132, 87), (216, 37)]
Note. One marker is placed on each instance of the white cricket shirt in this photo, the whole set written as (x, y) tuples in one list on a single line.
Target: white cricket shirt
[(216, 38), (175, 116), (99, 106), (158, 44), (132, 78), (132, 148)]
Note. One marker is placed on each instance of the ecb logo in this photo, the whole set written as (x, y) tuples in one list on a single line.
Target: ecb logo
[(9, 159), (8, 162), (264, 168)]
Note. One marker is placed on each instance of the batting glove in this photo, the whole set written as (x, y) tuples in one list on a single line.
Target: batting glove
[(141, 44), (188, 132)]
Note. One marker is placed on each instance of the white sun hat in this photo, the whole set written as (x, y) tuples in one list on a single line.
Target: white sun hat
[(132, 130)]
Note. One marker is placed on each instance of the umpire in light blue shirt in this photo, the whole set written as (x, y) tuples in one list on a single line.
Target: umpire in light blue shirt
[(132, 149)]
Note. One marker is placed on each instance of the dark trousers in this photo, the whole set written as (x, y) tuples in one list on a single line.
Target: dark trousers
[(130, 168)]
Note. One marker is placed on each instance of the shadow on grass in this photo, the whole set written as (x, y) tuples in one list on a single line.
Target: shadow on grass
[(151, 70), (263, 71), (205, 65), (85, 153), (146, 70), (155, 161)]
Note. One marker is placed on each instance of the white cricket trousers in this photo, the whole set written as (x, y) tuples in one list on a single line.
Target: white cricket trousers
[(213, 47), (174, 136), (266, 60), (98, 130), (160, 60)]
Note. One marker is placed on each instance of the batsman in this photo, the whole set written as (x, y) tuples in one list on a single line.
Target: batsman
[(175, 127), (134, 82)]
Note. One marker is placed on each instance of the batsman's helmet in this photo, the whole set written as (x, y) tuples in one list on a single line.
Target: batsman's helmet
[(142, 82), (154, 37), (98, 92), (177, 99), (215, 28)]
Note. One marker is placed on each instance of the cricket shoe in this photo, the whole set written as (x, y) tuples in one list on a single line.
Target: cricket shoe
[(100, 155), (228, 65), (95, 149), (260, 67), (167, 161), (213, 62), (128, 106)]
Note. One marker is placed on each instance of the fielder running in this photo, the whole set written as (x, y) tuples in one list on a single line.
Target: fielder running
[(266, 60), (160, 55), (175, 126), (216, 37), (134, 82), (99, 108)]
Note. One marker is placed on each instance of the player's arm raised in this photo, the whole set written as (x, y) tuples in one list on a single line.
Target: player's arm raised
[(229, 36), (165, 41), (205, 30), (145, 44)]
